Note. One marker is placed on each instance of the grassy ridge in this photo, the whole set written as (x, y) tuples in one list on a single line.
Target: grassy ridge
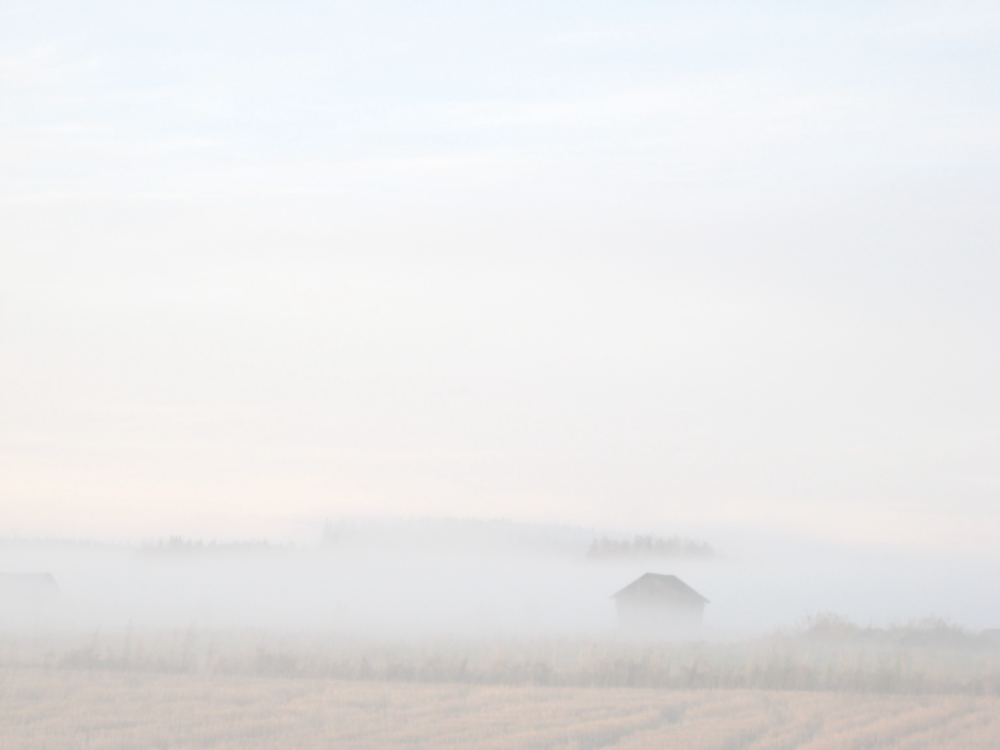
[(826, 654)]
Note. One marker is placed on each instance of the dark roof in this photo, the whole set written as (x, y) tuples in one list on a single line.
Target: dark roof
[(657, 585)]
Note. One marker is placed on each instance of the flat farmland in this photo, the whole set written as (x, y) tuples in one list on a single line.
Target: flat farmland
[(59, 709)]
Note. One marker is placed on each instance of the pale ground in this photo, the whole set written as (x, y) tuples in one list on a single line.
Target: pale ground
[(55, 709)]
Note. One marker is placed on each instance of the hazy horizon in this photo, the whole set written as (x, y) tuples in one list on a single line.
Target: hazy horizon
[(427, 578), (705, 269)]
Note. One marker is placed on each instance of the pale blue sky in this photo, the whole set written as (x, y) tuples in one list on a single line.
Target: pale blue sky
[(671, 265)]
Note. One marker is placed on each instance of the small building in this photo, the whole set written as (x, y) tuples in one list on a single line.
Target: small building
[(26, 597), (656, 604), (26, 585)]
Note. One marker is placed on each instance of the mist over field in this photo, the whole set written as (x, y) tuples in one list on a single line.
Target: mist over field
[(499, 375), (480, 578)]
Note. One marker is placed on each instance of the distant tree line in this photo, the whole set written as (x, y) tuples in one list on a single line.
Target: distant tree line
[(462, 535), (179, 545), (648, 546)]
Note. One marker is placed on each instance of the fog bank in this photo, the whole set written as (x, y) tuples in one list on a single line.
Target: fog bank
[(439, 578)]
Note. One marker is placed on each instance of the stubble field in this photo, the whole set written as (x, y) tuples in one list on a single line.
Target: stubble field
[(98, 710)]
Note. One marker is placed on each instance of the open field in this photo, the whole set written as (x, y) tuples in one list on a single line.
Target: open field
[(98, 710)]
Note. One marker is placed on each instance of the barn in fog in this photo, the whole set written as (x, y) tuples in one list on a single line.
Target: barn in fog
[(27, 585), (25, 595), (659, 604)]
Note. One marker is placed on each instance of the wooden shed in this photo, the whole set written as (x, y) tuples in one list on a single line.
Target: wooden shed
[(659, 604), (27, 585)]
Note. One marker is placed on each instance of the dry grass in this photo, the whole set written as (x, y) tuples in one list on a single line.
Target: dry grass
[(918, 662), (98, 710)]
